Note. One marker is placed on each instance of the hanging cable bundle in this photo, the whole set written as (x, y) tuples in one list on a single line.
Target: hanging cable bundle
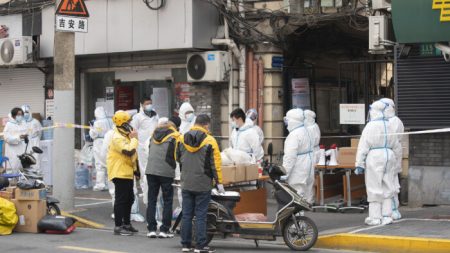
[(158, 7)]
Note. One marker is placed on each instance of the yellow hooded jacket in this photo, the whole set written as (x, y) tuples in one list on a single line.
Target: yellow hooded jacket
[(122, 157)]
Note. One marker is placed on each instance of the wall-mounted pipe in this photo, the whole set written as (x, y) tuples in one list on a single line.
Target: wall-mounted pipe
[(261, 92)]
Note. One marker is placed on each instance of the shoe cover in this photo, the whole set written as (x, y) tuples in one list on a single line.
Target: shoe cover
[(387, 220), (396, 215), (137, 217), (372, 222)]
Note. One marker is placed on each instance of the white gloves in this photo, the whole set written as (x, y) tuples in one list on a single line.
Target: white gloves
[(220, 188)]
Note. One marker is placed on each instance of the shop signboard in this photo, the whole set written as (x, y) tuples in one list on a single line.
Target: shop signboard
[(352, 114), (421, 21), (124, 97)]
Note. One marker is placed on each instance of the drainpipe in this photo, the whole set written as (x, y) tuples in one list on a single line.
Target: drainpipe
[(242, 66), (250, 69), (260, 92), (254, 91)]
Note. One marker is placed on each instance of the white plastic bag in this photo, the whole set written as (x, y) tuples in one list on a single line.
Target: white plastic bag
[(87, 154), (238, 157)]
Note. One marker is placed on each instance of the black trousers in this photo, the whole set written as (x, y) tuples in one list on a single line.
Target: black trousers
[(155, 183), (124, 198)]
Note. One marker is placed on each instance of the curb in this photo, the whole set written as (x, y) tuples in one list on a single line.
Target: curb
[(83, 223), (378, 243)]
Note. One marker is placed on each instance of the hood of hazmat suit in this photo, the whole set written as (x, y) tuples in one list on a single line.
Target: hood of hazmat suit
[(298, 159), (186, 122), (246, 139), (252, 114)]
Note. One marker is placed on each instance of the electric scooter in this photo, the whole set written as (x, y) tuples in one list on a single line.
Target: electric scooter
[(27, 160), (298, 231)]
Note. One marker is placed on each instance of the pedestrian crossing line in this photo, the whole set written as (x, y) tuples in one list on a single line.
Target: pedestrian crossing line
[(88, 249)]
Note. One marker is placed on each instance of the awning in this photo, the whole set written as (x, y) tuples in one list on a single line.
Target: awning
[(421, 21)]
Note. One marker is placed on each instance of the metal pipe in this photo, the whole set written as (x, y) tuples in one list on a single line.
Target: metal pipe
[(249, 78), (242, 65), (254, 102)]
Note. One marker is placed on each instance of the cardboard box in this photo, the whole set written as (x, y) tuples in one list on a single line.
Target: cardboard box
[(228, 174), (37, 116), (354, 142), (251, 172), (30, 213), (240, 173), (35, 194), (347, 156)]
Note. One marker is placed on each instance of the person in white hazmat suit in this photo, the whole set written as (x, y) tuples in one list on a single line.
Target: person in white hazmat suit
[(34, 131), (314, 130), (252, 114), (399, 128), (376, 157), (15, 133), (97, 132), (187, 116), (244, 137), (145, 122), (298, 159), (135, 215)]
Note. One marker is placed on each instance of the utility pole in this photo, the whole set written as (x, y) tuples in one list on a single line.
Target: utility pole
[(64, 138)]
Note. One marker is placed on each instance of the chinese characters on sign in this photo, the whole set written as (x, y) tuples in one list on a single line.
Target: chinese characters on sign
[(352, 114), (71, 24)]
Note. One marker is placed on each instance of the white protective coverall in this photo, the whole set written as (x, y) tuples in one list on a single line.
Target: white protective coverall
[(253, 115), (298, 159), (145, 123), (34, 129), (314, 130), (14, 145), (398, 128), (135, 215), (246, 139), (187, 121), (101, 126), (376, 154)]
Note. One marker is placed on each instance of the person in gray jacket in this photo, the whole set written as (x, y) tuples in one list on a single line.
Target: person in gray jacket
[(160, 174)]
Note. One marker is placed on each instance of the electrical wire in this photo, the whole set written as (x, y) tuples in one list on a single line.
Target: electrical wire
[(160, 6)]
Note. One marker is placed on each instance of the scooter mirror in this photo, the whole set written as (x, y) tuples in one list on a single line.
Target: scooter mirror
[(270, 149), (37, 150)]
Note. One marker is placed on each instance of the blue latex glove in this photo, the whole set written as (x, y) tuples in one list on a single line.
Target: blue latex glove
[(359, 170)]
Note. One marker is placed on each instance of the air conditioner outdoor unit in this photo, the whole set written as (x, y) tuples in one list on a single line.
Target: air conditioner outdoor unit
[(210, 66), (378, 34), (381, 4), (16, 51)]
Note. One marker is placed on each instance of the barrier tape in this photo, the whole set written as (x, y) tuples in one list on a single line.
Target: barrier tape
[(439, 130)]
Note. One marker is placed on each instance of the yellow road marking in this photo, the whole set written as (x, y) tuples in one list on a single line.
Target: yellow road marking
[(89, 249)]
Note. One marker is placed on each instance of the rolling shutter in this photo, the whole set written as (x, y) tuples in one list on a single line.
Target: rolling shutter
[(423, 91), (20, 86)]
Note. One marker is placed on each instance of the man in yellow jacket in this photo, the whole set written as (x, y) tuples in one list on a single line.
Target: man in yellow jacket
[(122, 167)]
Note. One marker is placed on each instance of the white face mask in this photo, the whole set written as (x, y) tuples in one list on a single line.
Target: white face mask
[(190, 117), (148, 108), (233, 124), (19, 118)]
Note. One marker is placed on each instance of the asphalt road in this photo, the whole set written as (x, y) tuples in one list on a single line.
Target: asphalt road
[(102, 241)]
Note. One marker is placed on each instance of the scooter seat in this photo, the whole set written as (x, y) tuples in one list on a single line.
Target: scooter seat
[(227, 196)]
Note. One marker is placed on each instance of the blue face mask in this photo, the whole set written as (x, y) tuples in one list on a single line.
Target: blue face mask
[(27, 116), (233, 125), (19, 118), (148, 108), (190, 117)]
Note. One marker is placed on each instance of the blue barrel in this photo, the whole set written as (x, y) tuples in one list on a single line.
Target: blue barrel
[(47, 134)]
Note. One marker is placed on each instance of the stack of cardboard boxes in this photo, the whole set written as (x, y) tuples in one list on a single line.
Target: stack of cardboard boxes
[(239, 173), (31, 207), (347, 155)]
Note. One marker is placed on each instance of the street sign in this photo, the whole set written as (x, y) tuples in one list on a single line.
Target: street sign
[(352, 114), (71, 24), (72, 8)]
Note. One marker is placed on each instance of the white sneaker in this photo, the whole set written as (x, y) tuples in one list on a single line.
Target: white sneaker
[(372, 222), (99, 188), (386, 220), (165, 235), (151, 234), (186, 249), (137, 217)]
